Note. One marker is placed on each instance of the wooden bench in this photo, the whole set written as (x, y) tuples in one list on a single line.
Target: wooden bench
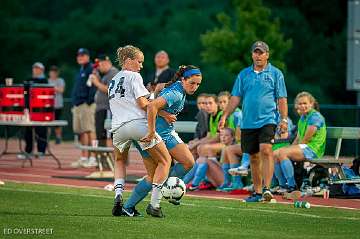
[(339, 133)]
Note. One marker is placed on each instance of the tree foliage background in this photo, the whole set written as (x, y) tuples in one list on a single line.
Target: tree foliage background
[(307, 38)]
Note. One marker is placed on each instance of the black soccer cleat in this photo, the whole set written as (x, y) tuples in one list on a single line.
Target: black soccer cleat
[(174, 202), (131, 212), (118, 203), (155, 212)]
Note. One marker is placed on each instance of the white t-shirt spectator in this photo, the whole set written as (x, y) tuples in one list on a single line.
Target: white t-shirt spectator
[(59, 99)]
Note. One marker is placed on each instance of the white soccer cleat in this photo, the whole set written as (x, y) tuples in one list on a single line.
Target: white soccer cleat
[(239, 171)]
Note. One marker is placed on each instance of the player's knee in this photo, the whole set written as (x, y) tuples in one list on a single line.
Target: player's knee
[(266, 151), (199, 149), (281, 155), (276, 156), (204, 150), (120, 156)]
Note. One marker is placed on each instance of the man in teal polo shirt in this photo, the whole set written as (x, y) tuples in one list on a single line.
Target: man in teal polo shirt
[(261, 88)]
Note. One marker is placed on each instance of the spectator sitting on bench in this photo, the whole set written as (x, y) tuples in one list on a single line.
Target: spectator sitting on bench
[(308, 144), (211, 107), (214, 145), (208, 163)]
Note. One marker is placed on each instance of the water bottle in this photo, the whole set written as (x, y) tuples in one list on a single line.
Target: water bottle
[(301, 204)]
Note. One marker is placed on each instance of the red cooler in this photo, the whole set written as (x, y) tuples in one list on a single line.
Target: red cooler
[(42, 99), (11, 102)]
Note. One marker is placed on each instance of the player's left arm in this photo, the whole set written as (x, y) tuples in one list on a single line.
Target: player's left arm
[(281, 96), (310, 131), (283, 110), (314, 123)]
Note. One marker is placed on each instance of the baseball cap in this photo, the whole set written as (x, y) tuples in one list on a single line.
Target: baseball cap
[(83, 51), (103, 57), (38, 65), (260, 45)]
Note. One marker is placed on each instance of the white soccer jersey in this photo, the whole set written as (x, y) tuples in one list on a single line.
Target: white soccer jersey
[(124, 88)]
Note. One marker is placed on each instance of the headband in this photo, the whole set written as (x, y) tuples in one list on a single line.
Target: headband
[(191, 72)]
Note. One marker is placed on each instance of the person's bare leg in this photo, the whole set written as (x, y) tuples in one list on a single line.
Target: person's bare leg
[(120, 164), (84, 140), (210, 150), (161, 154), (215, 173), (267, 159), (182, 154), (91, 136), (119, 180), (256, 172), (234, 153)]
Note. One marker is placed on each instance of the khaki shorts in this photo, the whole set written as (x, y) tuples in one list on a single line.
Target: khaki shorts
[(133, 130), (83, 118)]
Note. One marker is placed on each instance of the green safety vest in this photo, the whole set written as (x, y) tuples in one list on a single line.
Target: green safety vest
[(318, 140), (213, 123)]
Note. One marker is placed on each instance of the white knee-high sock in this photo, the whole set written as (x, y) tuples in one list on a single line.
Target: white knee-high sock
[(156, 195), (119, 185)]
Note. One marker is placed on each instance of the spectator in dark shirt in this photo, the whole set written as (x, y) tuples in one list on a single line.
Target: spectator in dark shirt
[(162, 74), (84, 108), (38, 77)]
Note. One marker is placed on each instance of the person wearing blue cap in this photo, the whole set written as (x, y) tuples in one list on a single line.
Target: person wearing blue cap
[(84, 108), (261, 88)]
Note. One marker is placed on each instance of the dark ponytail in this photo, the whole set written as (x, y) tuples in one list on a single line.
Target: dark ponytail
[(180, 74)]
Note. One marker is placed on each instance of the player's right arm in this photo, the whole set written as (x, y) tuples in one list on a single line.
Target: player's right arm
[(152, 110), (142, 102)]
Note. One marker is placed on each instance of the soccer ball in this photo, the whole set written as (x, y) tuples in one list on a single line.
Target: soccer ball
[(173, 188)]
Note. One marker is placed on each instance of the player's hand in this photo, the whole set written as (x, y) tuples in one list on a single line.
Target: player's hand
[(170, 118), (148, 137), (284, 134), (222, 122)]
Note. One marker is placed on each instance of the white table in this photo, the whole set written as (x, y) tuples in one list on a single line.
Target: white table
[(22, 124)]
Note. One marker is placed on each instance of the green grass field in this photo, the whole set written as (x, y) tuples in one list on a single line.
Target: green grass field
[(85, 213)]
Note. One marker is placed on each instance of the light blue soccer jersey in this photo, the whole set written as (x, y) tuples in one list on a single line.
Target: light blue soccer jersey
[(174, 96), (315, 119), (259, 93)]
